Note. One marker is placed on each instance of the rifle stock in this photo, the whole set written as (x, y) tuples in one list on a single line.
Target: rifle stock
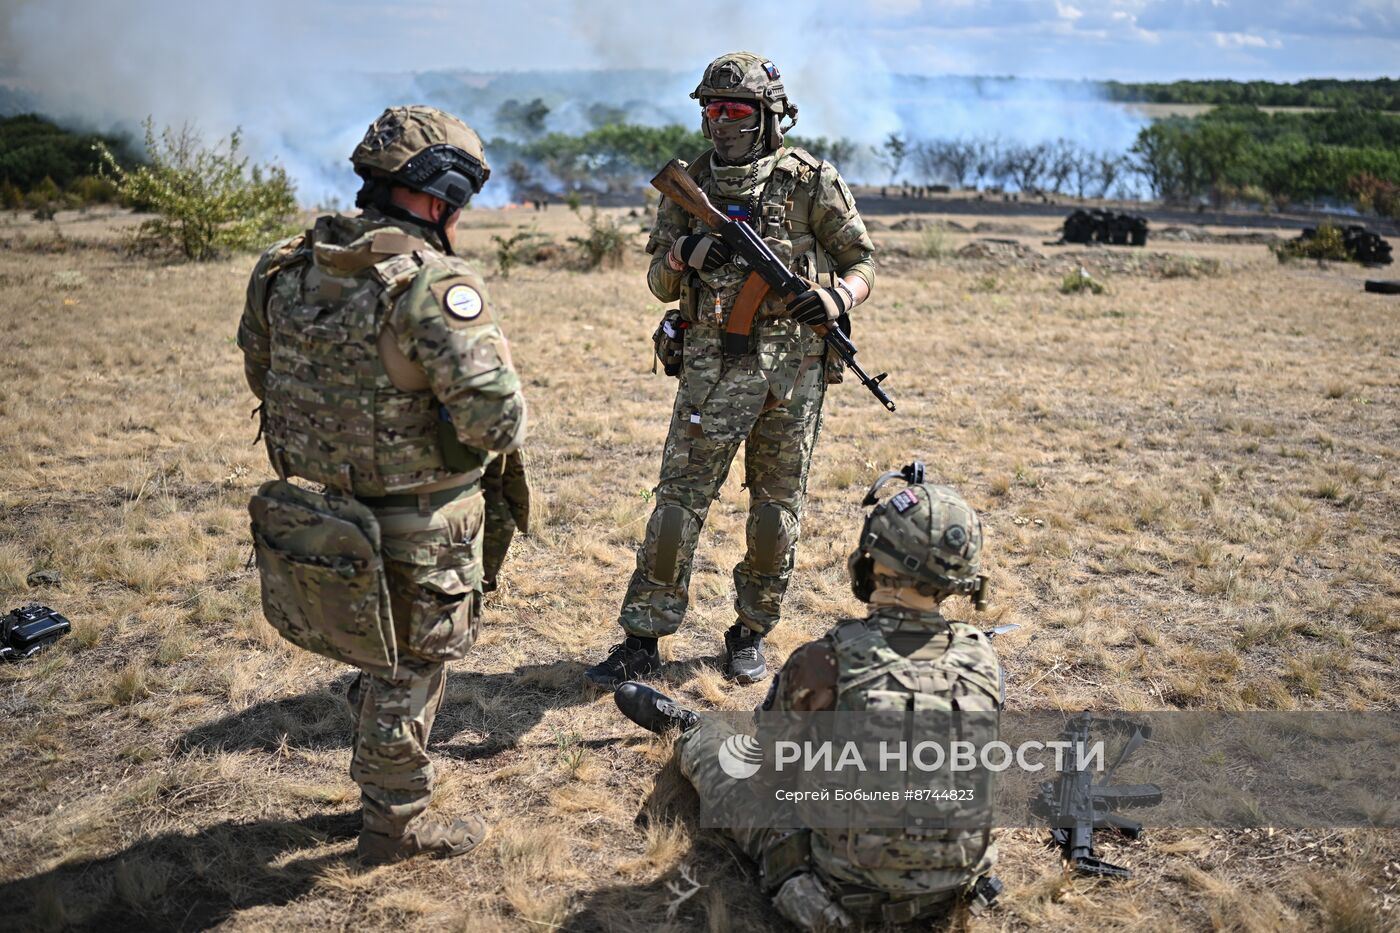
[(675, 182)]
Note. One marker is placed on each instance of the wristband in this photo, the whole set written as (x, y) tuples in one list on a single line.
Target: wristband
[(850, 295), (674, 262)]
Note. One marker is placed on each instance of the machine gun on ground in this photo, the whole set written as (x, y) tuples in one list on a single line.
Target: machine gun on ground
[(769, 273), (1076, 806)]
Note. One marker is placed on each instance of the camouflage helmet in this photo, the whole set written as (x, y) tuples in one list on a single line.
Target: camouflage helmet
[(748, 76), (925, 534), (424, 149)]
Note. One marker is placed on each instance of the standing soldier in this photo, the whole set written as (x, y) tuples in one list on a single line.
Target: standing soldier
[(917, 548), (384, 377), (769, 399)]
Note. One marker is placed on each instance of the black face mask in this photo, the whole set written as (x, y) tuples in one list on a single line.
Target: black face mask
[(738, 142)]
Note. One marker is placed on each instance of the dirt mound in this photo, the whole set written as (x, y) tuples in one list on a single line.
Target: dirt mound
[(1005, 229), (1202, 235), (998, 251), (918, 224)]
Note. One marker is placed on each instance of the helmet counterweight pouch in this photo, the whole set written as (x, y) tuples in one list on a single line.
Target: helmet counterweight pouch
[(323, 583)]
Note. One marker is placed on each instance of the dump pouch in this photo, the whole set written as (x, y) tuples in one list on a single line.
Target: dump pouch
[(323, 583)]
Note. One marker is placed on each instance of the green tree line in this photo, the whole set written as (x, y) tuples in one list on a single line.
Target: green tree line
[(44, 167), (1376, 94), (609, 157), (1243, 152)]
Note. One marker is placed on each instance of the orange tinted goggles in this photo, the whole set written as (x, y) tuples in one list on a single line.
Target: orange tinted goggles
[(728, 110)]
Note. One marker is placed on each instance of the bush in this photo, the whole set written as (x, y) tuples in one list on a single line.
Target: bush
[(44, 199), (1326, 243), (932, 243), (606, 243), (94, 189), (1375, 194), (1080, 281), (11, 198), (516, 249), (208, 200)]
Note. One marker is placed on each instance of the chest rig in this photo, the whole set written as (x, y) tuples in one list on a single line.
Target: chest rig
[(779, 209), (915, 682), (333, 415)]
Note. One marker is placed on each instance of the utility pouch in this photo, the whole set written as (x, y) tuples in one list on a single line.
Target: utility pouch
[(323, 583), (669, 339), (785, 857), (456, 456)]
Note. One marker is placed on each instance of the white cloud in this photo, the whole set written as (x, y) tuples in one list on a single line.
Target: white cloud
[(1244, 40), (893, 8)]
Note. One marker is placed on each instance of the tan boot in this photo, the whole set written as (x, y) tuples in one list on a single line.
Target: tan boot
[(433, 836)]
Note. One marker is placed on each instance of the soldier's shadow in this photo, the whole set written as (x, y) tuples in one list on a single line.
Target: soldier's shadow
[(494, 709), (178, 881), (713, 885)]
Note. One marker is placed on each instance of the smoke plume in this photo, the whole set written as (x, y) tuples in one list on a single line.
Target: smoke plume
[(302, 80)]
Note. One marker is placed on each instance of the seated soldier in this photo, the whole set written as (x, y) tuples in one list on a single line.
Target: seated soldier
[(917, 548)]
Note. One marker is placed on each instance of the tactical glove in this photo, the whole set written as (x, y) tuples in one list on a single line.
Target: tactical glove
[(818, 305), (701, 251)]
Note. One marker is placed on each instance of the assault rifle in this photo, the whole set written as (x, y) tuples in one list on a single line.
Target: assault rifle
[(1076, 806), (768, 273)]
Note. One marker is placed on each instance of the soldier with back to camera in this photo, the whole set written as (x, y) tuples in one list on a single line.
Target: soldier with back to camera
[(917, 548), (385, 378)]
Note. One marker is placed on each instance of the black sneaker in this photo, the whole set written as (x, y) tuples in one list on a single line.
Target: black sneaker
[(653, 710), (743, 649), (632, 658)]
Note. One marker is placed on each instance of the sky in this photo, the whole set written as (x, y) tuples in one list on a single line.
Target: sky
[(1130, 40), (303, 77)]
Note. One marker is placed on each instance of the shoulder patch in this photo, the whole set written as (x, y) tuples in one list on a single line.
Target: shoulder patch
[(461, 302)]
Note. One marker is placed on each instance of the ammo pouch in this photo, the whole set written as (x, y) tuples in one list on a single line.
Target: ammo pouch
[(785, 857), (323, 584), (669, 339)]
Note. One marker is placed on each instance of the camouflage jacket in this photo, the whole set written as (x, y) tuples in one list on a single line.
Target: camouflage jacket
[(377, 358), (898, 659), (807, 215)]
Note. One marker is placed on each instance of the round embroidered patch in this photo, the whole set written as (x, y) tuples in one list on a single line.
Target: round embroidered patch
[(462, 302)]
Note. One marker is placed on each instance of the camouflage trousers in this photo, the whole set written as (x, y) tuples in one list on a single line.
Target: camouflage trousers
[(432, 559), (777, 454), (698, 751), (782, 855)]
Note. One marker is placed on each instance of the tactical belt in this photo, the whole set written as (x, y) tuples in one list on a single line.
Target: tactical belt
[(867, 904), (412, 500)]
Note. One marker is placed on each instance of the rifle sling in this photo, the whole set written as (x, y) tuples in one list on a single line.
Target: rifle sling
[(738, 334)]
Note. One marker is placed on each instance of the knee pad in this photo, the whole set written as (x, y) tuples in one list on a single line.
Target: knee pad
[(670, 541), (772, 534)]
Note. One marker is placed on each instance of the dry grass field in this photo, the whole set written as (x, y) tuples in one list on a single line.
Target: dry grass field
[(1188, 482)]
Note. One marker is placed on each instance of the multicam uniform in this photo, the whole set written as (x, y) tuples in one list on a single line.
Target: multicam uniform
[(384, 376), (896, 658), (770, 399)]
